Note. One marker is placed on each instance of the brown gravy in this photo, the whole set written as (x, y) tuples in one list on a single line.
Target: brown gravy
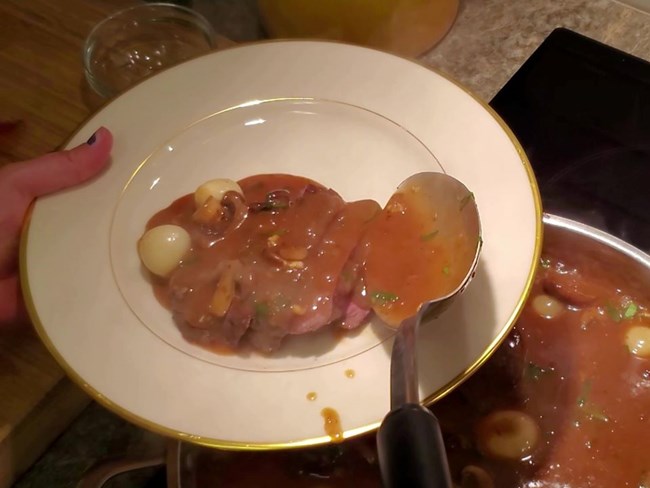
[(407, 262), (564, 402), (289, 256), (283, 252), (574, 376), (332, 424)]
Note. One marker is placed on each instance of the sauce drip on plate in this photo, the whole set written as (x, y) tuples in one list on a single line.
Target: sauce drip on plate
[(332, 424)]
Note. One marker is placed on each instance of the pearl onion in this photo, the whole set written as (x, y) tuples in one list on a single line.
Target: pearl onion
[(475, 477), (637, 340), (508, 434), (162, 248), (215, 188), (547, 306)]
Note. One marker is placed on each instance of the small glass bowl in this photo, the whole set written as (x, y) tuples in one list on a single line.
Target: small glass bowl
[(138, 41)]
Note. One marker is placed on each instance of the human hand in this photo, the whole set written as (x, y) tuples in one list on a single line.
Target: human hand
[(20, 184)]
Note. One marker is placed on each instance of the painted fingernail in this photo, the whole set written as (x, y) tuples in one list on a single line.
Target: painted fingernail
[(92, 139)]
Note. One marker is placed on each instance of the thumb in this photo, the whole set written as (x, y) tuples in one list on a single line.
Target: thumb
[(56, 171)]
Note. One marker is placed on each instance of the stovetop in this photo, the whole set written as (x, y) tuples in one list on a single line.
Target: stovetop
[(581, 111)]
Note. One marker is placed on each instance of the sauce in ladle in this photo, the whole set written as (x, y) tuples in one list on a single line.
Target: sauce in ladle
[(410, 255)]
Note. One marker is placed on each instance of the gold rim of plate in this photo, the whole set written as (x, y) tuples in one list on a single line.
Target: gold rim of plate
[(347, 434)]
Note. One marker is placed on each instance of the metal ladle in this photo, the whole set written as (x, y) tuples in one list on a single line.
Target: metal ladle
[(409, 441)]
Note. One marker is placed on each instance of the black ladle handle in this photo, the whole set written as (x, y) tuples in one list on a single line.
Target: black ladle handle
[(411, 451)]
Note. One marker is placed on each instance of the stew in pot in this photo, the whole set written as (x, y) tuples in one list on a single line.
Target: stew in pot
[(564, 402)]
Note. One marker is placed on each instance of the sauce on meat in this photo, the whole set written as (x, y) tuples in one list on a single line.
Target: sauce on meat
[(287, 256), (278, 263)]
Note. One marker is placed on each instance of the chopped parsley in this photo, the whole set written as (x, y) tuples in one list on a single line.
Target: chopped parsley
[(347, 275), (596, 414), (383, 297), (278, 232), (630, 310), (625, 312), (446, 270), (613, 312), (584, 394), (429, 236), (261, 309), (274, 205), (590, 411), (534, 372), (274, 201)]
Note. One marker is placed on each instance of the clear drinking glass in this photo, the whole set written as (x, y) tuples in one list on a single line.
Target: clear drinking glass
[(139, 41)]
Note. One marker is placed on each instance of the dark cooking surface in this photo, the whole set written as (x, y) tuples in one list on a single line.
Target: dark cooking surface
[(581, 110)]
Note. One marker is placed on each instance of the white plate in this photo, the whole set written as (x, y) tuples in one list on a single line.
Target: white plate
[(352, 118)]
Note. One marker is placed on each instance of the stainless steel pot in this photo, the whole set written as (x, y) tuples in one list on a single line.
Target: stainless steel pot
[(563, 238)]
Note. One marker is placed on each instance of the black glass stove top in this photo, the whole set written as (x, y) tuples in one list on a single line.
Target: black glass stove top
[(581, 110)]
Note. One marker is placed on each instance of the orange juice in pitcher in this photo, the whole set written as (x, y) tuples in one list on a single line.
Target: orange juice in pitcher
[(406, 27)]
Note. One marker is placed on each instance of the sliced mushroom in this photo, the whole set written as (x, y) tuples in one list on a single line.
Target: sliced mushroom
[(224, 292), (298, 309), (209, 212), (216, 189), (275, 201), (293, 253), (217, 219), (286, 256)]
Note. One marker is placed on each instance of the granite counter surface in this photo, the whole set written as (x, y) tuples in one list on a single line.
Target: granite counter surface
[(492, 38), (489, 42)]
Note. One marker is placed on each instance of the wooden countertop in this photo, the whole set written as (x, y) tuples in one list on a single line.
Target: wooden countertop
[(42, 89), (41, 75)]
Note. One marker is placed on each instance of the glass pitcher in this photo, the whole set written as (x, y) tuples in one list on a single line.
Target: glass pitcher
[(405, 27)]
